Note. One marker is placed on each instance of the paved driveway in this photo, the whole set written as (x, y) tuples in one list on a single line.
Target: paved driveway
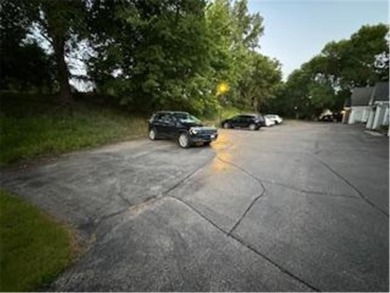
[(298, 207)]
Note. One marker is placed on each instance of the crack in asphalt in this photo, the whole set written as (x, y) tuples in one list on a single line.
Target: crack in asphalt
[(152, 199), (119, 193), (241, 242), (308, 191), (246, 211), (362, 196), (261, 181), (254, 200), (243, 170), (230, 233), (165, 193), (111, 215), (287, 272), (186, 177)]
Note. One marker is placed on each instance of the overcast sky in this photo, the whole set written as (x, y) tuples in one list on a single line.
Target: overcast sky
[(296, 30)]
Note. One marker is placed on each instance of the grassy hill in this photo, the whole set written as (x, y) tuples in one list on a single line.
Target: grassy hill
[(32, 126)]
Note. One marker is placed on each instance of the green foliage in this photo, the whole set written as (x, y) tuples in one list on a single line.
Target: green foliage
[(147, 54), (20, 59), (253, 78), (260, 82), (223, 113), (169, 54), (158, 53), (326, 80), (40, 128), (61, 24), (19, 68), (34, 249)]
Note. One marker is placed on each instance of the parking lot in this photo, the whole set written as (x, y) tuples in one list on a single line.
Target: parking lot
[(296, 207)]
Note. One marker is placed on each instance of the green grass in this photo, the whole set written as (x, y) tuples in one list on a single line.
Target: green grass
[(32, 128), (34, 249)]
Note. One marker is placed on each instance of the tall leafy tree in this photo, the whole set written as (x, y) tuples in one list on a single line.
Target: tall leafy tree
[(151, 53), (58, 23), (260, 81), (236, 33)]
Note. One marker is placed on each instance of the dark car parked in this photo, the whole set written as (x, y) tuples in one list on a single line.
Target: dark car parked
[(335, 117), (243, 121), (187, 129)]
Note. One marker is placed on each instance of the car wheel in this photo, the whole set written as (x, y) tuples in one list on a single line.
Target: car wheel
[(252, 126), (206, 143), (184, 140), (153, 134), (226, 125)]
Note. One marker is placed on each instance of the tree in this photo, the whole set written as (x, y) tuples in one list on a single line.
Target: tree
[(61, 23), (19, 66), (58, 22), (325, 81), (152, 52), (359, 61), (260, 82), (235, 34), (21, 58)]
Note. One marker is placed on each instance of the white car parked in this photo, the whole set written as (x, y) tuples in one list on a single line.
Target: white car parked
[(268, 121), (273, 117)]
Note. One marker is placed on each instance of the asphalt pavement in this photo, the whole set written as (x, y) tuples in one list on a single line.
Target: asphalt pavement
[(296, 207)]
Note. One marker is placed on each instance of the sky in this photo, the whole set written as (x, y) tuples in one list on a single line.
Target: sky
[(297, 30)]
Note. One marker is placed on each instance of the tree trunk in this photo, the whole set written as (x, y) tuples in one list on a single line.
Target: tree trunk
[(256, 105), (62, 70), (56, 29)]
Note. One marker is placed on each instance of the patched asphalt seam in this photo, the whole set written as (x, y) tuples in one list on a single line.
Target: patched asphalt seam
[(241, 242), (362, 196)]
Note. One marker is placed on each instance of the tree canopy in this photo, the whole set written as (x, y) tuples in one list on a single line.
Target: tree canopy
[(148, 55), (168, 54), (326, 80)]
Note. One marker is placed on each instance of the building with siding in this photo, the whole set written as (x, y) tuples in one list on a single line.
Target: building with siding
[(357, 108), (379, 106)]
